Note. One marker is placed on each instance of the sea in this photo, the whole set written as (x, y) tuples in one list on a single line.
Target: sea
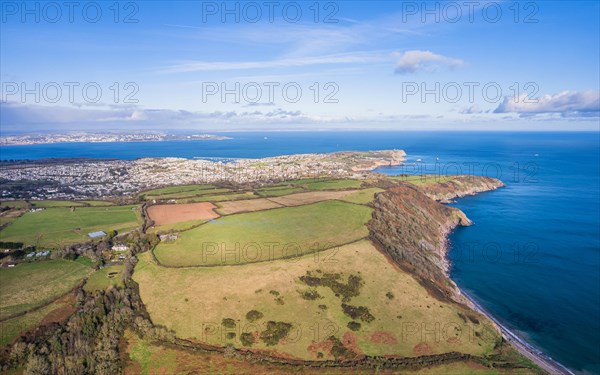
[(532, 257)]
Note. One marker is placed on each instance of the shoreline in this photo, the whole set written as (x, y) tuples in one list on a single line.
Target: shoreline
[(526, 349), (523, 347)]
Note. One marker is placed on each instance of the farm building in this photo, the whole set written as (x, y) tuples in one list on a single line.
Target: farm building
[(168, 237), (96, 234), (120, 247)]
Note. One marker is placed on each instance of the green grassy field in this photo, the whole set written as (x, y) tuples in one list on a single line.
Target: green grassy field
[(30, 285), (51, 203), (177, 189), (267, 235), (174, 192), (14, 204), (58, 226), (221, 197), (10, 329), (6, 220), (97, 203), (100, 280), (365, 196), (319, 184), (189, 194), (177, 227), (422, 180), (277, 191), (195, 301)]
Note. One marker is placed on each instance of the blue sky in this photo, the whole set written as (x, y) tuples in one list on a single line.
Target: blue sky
[(350, 65)]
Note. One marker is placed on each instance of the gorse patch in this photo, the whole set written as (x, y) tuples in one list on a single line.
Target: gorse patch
[(310, 295), (358, 312), (333, 281), (254, 315), (275, 331)]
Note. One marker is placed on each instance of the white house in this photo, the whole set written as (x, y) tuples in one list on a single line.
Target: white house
[(120, 247)]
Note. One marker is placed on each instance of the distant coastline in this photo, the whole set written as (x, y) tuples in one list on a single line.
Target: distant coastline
[(39, 139)]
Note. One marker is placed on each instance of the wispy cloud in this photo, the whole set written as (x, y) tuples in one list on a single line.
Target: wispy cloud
[(471, 110), (416, 61), (343, 58)]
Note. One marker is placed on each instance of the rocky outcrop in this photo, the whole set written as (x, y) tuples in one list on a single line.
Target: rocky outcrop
[(460, 186)]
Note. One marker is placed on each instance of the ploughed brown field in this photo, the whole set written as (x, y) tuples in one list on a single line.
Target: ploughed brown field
[(165, 214)]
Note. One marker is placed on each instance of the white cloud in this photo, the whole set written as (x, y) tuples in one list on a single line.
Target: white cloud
[(416, 60), (471, 110), (17, 115), (567, 103), (344, 58)]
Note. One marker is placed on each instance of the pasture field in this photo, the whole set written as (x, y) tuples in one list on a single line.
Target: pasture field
[(299, 199), (6, 220), (320, 184), (14, 204), (365, 196), (29, 285), (52, 203), (55, 312), (277, 191), (266, 235), (97, 203), (222, 197), (57, 226), (178, 227), (104, 278), (9, 216), (167, 214), (182, 191), (353, 293), (189, 194), (250, 205), (177, 189), (422, 179)]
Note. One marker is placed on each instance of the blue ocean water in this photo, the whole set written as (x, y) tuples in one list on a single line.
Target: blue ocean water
[(533, 256)]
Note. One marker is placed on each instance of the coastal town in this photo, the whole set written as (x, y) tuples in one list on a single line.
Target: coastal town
[(34, 139), (85, 178)]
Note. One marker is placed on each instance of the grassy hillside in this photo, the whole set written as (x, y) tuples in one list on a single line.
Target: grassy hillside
[(267, 235), (30, 285), (56, 226), (352, 293), (365, 196), (320, 184), (54, 312), (104, 278), (145, 357), (181, 191)]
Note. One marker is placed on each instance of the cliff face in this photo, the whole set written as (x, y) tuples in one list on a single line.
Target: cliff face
[(460, 186), (411, 228)]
